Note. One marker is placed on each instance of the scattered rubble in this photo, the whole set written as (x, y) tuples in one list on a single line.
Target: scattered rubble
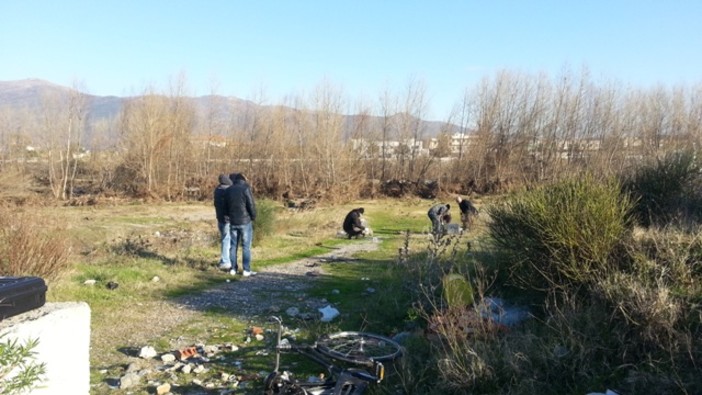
[(216, 368)]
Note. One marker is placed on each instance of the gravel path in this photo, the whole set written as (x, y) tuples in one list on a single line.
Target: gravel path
[(275, 288)]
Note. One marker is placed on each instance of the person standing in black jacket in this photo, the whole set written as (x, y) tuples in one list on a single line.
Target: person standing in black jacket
[(241, 209), (220, 205)]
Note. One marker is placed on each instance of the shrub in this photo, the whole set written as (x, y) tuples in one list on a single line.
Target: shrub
[(18, 372), (31, 246), (265, 219), (666, 189), (457, 291), (561, 235), (14, 185)]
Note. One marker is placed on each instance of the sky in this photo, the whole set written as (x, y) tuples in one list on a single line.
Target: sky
[(270, 50)]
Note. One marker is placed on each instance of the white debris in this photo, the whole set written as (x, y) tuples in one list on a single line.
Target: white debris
[(328, 313), (147, 352)]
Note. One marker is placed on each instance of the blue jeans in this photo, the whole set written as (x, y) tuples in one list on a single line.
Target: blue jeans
[(241, 234), (225, 238)]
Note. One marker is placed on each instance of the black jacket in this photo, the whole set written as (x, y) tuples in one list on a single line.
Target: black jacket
[(467, 207), (353, 220), (220, 203), (240, 203)]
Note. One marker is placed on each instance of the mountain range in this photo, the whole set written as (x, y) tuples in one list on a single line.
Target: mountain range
[(29, 94)]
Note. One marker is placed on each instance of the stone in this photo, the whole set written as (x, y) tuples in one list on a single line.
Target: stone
[(163, 389), (168, 357), (147, 352), (129, 380)]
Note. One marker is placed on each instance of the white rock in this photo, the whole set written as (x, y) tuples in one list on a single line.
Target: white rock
[(147, 352), (168, 357), (163, 389), (89, 282)]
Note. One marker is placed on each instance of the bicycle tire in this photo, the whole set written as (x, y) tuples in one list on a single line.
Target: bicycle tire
[(358, 347)]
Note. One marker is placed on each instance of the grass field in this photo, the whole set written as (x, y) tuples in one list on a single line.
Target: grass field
[(631, 326), (178, 244)]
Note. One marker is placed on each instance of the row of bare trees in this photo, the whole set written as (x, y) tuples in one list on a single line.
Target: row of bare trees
[(527, 128), (534, 128)]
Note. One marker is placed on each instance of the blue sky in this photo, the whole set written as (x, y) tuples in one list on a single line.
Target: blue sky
[(362, 47)]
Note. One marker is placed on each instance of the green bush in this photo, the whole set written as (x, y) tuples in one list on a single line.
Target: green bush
[(457, 291), (18, 372), (562, 235), (666, 189), (265, 220)]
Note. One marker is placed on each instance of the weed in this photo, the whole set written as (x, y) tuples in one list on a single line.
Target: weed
[(28, 247), (667, 190), (18, 370)]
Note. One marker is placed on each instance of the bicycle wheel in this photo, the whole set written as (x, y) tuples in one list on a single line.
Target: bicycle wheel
[(358, 347)]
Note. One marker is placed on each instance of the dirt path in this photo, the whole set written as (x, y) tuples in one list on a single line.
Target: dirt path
[(271, 291), (274, 288)]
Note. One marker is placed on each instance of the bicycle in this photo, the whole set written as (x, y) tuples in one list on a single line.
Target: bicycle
[(366, 352)]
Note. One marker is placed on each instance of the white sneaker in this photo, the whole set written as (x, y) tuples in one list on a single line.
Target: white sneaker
[(225, 266), (233, 272), (248, 273)]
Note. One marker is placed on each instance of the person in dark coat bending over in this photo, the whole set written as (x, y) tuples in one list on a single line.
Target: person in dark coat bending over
[(438, 214), (352, 223), (468, 211)]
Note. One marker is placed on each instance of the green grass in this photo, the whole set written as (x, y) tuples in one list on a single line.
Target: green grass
[(132, 245), (376, 293)]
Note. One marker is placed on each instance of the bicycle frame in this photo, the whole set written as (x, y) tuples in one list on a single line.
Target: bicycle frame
[(341, 380)]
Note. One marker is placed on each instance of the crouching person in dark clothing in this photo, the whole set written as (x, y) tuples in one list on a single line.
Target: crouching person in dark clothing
[(352, 223)]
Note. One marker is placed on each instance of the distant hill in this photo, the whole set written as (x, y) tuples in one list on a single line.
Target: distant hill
[(27, 95)]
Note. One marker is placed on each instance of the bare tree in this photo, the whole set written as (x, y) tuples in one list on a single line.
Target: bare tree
[(64, 120), (388, 107), (411, 127), (156, 136)]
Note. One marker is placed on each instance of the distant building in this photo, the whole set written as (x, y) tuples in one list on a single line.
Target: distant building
[(391, 148), (214, 141)]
